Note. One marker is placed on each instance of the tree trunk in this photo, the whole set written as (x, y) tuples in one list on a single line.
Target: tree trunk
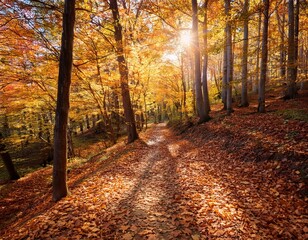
[(123, 69), (7, 160), (88, 122), (184, 88), (60, 133), (198, 87), (229, 61), (205, 63), (282, 60), (224, 77), (291, 52), (261, 97), (244, 98), (296, 33), (255, 85)]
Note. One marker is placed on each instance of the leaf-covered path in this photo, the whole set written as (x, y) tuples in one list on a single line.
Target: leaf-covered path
[(169, 187)]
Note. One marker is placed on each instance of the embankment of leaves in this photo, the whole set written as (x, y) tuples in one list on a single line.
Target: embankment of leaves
[(267, 139), (180, 126)]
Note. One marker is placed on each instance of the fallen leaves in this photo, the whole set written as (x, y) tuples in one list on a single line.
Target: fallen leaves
[(201, 187)]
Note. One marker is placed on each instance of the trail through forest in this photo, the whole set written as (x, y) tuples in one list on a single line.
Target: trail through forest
[(168, 186)]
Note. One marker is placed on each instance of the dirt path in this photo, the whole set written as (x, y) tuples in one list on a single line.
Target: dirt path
[(167, 187)]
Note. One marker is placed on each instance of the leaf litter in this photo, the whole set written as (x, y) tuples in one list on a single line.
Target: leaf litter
[(232, 178)]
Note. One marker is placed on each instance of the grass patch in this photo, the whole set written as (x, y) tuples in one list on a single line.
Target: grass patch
[(293, 114)]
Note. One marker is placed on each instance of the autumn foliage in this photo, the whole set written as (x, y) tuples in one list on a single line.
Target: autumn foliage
[(229, 77)]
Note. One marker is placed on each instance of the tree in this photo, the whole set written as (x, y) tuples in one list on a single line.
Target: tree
[(292, 49), (296, 34), (282, 47), (244, 96), (7, 160), (64, 80), (229, 61), (205, 62), (261, 96), (123, 69), (257, 69), (201, 111)]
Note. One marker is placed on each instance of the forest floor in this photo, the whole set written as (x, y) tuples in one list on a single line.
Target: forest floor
[(235, 177)]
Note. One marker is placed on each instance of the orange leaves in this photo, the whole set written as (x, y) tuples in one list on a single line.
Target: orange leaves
[(147, 192), (124, 227), (127, 236)]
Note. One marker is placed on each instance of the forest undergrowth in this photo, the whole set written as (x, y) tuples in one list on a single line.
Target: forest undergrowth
[(235, 177)]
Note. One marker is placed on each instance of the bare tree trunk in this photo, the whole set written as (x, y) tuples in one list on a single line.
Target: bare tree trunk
[(282, 61), (229, 58), (244, 98), (184, 110), (88, 121), (224, 78), (291, 53), (198, 88), (296, 33), (7, 160), (60, 135), (205, 63), (261, 97), (123, 69), (255, 85)]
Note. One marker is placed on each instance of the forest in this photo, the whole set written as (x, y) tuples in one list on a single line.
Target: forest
[(154, 119)]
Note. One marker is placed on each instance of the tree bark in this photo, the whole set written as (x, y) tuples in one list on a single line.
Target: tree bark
[(257, 72), (197, 66), (229, 61), (60, 189), (261, 97), (244, 96), (123, 69), (296, 33), (291, 52), (7, 160), (224, 77), (184, 88), (205, 63), (282, 48)]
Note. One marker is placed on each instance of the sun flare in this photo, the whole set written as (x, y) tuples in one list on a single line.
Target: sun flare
[(185, 39)]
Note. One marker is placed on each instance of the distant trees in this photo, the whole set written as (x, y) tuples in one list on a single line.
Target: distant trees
[(60, 133)]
